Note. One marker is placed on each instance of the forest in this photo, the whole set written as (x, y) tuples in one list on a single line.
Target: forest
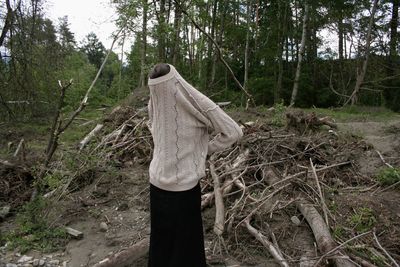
[(313, 84), (301, 53)]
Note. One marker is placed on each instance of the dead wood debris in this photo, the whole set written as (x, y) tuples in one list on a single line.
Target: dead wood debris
[(15, 184), (262, 181), (302, 121)]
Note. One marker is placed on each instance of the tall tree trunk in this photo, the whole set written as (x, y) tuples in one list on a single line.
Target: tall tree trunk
[(394, 23), (175, 45), (222, 7), (246, 52), (210, 57), (161, 32), (360, 76), (8, 21), (340, 36), (300, 57), (281, 44), (391, 96), (143, 51)]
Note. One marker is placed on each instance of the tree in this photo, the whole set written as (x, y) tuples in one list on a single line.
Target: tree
[(66, 37), (143, 50), (392, 92), (8, 21), (246, 51), (94, 49), (300, 57), (353, 99)]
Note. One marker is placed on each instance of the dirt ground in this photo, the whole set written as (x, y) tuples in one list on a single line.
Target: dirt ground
[(113, 212)]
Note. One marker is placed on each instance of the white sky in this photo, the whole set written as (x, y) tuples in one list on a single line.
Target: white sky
[(85, 16)]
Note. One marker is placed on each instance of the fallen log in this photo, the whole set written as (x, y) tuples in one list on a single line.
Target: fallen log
[(126, 257), (88, 137), (219, 224), (301, 121), (321, 233)]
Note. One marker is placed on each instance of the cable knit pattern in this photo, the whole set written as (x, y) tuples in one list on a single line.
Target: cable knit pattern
[(181, 119)]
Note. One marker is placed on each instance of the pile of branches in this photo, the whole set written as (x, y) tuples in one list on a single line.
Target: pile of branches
[(264, 185), (128, 139), (270, 175), (15, 184)]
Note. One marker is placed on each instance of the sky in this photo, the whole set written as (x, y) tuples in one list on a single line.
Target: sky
[(85, 16)]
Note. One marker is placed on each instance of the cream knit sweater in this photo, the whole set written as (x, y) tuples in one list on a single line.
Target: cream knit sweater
[(180, 120)]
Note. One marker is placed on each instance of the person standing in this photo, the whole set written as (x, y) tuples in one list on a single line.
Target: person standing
[(181, 120)]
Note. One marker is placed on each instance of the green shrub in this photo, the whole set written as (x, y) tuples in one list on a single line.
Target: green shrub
[(278, 118), (389, 176), (362, 220), (33, 230)]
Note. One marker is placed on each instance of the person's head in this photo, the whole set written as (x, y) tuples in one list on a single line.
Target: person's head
[(159, 70)]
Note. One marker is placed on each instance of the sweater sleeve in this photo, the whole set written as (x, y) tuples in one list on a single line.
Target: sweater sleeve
[(150, 112), (226, 129)]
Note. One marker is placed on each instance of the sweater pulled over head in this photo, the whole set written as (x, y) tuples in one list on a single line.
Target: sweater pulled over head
[(181, 119)]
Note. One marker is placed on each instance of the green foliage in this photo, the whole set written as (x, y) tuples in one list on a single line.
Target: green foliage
[(278, 118), (78, 68), (389, 176), (378, 260), (94, 49), (53, 180), (338, 232), (362, 220), (33, 230)]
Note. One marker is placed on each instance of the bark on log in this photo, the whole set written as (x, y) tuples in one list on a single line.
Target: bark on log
[(126, 257), (219, 224), (321, 232)]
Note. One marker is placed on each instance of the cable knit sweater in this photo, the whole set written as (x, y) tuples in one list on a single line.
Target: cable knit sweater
[(180, 120)]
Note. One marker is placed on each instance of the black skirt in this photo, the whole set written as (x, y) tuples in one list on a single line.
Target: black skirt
[(176, 237)]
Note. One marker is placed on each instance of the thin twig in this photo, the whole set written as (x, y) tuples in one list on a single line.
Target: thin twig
[(323, 204), (383, 160), (340, 246), (384, 250)]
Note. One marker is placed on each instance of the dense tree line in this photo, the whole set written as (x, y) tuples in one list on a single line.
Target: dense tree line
[(36, 53), (300, 52), (274, 48)]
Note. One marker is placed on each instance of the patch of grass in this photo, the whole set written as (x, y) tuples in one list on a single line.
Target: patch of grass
[(362, 220), (378, 260), (367, 253), (389, 176), (333, 206), (356, 113), (338, 232), (75, 132), (53, 180), (33, 230)]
